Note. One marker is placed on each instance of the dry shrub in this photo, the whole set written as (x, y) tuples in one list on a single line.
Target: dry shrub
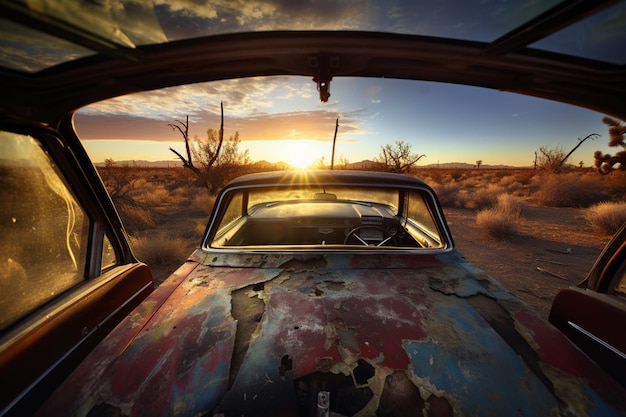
[(160, 249), (200, 228), (447, 192), (485, 197), (615, 184), (496, 223), (136, 217), (471, 182), (606, 217), (154, 197), (502, 220), (568, 190), (513, 185), (184, 191), (202, 203), (511, 205)]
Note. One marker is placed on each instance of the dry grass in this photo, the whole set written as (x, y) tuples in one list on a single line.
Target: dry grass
[(167, 212), (502, 220), (162, 249), (485, 197), (568, 190), (154, 196), (202, 203), (606, 217), (136, 217)]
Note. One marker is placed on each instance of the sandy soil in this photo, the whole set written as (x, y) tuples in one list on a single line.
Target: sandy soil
[(557, 240)]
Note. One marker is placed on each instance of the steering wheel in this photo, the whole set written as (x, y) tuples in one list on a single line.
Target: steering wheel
[(386, 235)]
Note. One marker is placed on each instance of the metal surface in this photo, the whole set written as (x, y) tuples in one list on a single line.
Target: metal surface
[(422, 332)]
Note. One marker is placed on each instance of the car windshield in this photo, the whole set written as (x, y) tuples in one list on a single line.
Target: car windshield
[(325, 215)]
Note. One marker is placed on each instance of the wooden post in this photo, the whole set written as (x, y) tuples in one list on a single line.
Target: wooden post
[(332, 157)]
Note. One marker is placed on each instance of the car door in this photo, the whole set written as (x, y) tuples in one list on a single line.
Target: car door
[(67, 275), (593, 315)]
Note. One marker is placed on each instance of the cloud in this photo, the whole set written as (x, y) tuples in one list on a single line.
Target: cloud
[(264, 108), (241, 97), (228, 16), (312, 125)]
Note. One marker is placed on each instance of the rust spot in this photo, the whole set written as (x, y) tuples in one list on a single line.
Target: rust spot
[(363, 372), (335, 285), (439, 407), (105, 410), (400, 397), (248, 312), (286, 364), (324, 364), (305, 262)]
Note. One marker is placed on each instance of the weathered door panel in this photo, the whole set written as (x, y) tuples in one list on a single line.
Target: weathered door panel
[(594, 322)]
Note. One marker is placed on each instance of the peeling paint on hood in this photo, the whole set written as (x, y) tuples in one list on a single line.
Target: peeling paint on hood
[(265, 335)]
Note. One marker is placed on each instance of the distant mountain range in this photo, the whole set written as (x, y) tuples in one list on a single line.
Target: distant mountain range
[(365, 164)]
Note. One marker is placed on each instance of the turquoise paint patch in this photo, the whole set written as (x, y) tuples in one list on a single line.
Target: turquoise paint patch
[(478, 371)]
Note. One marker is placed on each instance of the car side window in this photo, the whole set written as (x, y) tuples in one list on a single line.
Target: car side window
[(418, 212), (233, 212), (43, 230)]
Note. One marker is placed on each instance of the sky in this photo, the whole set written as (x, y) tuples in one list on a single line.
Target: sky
[(281, 119)]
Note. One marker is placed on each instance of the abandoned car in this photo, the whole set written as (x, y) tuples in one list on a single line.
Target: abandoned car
[(311, 293)]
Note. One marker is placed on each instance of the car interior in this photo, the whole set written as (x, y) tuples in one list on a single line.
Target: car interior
[(328, 221)]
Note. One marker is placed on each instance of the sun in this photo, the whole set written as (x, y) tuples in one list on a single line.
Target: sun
[(301, 154)]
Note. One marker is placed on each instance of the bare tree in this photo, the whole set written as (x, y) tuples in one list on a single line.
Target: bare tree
[(550, 159), (183, 129), (580, 142), (479, 163), (617, 135), (398, 157), (218, 159), (554, 159)]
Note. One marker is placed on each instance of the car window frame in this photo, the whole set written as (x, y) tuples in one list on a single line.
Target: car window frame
[(42, 348)]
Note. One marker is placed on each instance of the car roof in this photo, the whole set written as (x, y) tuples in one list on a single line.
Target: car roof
[(54, 63), (337, 177)]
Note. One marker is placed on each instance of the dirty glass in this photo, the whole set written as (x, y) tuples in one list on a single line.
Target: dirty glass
[(233, 212), (419, 213), (108, 254), (43, 231)]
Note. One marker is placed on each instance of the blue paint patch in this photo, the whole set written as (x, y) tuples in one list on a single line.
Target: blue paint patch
[(478, 371), (204, 390)]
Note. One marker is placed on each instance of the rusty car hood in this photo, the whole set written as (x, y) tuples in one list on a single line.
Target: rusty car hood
[(378, 334)]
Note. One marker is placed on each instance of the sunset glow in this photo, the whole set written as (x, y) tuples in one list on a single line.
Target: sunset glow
[(304, 153), (280, 119)]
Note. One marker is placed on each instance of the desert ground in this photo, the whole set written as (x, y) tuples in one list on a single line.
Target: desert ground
[(550, 248), (554, 239)]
